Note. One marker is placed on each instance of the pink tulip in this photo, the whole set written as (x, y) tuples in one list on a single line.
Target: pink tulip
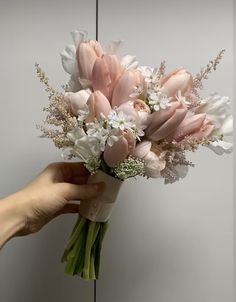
[(177, 80), (189, 126), (97, 104), (154, 163), (125, 86), (165, 121), (205, 130), (77, 101), (105, 73), (87, 53), (169, 126), (120, 149)]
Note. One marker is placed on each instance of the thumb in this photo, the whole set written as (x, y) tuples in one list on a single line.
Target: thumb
[(72, 191)]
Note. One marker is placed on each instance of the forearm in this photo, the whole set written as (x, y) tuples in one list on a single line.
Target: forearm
[(12, 218)]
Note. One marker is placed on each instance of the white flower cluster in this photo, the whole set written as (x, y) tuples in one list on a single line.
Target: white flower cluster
[(90, 141), (157, 99)]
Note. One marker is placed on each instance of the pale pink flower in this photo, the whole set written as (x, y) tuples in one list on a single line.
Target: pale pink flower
[(177, 80), (105, 73), (121, 149), (190, 126), (87, 53), (154, 163), (125, 86), (97, 104), (165, 121), (77, 101)]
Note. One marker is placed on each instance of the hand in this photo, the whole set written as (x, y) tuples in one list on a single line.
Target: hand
[(48, 196)]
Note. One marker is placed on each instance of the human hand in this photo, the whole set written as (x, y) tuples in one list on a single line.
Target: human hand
[(48, 196)]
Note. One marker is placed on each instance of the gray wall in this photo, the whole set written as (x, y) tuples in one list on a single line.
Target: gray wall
[(167, 243)]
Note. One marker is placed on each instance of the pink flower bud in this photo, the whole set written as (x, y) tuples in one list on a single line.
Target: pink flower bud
[(205, 130), (120, 150), (177, 80), (189, 125), (97, 104), (169, 126), (125, 86), (87, 53), (106, 71), (165, 121)]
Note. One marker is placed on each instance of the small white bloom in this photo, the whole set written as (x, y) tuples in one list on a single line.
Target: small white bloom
[(150, 74), (158, 100), (83, 114), (138, 90), (182, 99), (118, 120)]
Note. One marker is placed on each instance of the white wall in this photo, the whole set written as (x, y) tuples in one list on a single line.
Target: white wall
[(167, 243)]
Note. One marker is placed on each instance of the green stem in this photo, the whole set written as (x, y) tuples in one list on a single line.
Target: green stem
[(101, 236), (75, 235), (88, 248)]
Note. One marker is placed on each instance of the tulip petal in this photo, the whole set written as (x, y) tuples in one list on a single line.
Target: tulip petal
[(101, 77), (142, 149), (189, 126), (97, 104), (87, 53), (156, 119), (169, 126), (117, 152), (125, 86)]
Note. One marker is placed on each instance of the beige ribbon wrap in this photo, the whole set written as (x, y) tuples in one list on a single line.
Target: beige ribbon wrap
[(99, 209)]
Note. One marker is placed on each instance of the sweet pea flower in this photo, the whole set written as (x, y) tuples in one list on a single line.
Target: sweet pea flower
[(154, 163), (177, 80), (87, 53), (97, 104), (218, 112), (77, 101), (105, 73), (121, 149), (164, 122), (125, 86)]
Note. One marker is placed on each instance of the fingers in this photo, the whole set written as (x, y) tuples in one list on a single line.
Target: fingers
[(72, 191), (80, 180), (68, 209), (64, 172)]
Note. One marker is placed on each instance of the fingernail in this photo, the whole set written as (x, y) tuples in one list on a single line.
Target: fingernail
[(100, 187)]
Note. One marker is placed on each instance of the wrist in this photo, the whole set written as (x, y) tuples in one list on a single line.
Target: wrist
[(12, 217)]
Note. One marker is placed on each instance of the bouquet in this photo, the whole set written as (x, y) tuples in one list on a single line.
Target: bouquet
[(124, 120)]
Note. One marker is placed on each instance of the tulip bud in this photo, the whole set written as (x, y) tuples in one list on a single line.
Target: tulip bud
[(205, 131), (189, 126), (125, 86), (177, 80), (97, 103), (105, 72), (120, 150), (170, 125), (165, 121), (87, 53)]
